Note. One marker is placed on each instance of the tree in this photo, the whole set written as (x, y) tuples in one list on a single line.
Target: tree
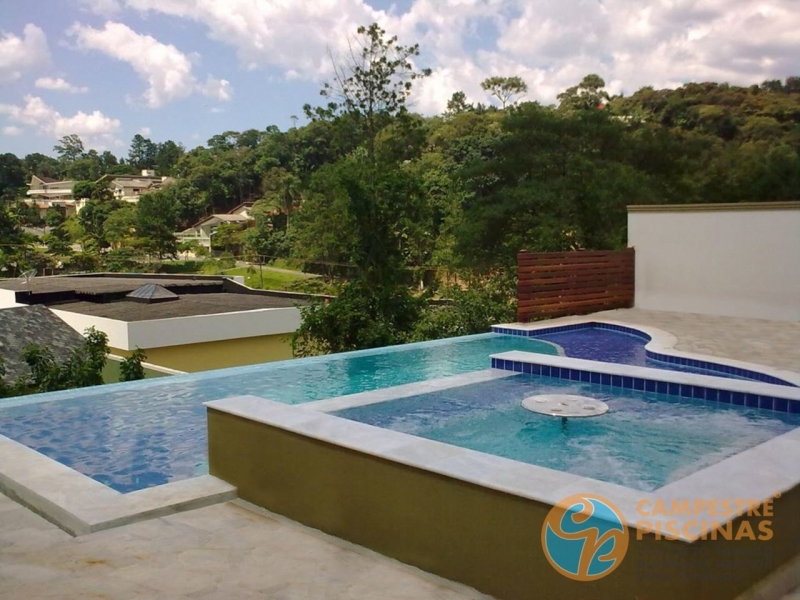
[(12, 176), (507, 90), (70, 148), (156, 220), (131, 369), (458, 104), (55, 216), (83, 367), (372, 85), (587, 95), (142, 153)]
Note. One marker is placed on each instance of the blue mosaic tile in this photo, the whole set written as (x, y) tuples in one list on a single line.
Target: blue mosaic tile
[(737, 398), (766, 403), (751, 400), (780, 404)]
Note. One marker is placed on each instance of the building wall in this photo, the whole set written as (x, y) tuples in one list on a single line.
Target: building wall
[(221, 354), (737, 260)]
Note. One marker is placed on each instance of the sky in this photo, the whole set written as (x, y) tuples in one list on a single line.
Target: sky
[(188, 69)]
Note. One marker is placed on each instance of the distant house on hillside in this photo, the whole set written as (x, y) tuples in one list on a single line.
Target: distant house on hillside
[(45, 192), (203, 231)]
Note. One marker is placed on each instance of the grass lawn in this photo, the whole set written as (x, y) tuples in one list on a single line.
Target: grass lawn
[(272, 280)]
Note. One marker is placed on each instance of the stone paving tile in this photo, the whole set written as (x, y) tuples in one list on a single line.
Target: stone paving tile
[(772, 343), (223, 551)]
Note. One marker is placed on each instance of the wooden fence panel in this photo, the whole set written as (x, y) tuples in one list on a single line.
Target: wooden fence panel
[(558, 284)]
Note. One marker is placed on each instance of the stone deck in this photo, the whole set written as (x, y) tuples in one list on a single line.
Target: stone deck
[(229, 551)]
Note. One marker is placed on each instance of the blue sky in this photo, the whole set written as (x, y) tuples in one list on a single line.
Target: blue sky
[(188, 69)]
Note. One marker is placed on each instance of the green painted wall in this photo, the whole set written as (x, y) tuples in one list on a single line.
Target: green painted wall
[(219, 355)]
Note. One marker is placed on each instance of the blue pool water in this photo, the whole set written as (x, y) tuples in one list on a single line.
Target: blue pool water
[(645, 440), (137, 435), (615, 347)]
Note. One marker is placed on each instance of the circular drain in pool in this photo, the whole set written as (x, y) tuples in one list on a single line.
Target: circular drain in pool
[(561, 405)]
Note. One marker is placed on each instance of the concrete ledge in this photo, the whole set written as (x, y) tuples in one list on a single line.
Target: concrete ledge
[(80, 505)]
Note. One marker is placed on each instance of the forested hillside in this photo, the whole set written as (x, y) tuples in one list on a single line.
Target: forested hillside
[(367, 182)]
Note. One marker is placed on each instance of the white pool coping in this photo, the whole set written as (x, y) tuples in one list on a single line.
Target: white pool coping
[(661, 342), (758, 474), (80, 505)]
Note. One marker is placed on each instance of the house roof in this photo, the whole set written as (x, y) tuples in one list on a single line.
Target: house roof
[(33, 324), (189, 305)]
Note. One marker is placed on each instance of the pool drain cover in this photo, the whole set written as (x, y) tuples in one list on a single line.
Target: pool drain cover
[(560, 405)]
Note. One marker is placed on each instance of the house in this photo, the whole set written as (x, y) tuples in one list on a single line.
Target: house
[(45, 192), (129, 188), (183, 323), (203, 231)]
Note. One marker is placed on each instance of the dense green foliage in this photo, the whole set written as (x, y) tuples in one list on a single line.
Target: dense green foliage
[(390, 199), (131, 369), (83, 367)]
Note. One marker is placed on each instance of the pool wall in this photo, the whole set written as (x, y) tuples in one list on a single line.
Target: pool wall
[(466, 516)]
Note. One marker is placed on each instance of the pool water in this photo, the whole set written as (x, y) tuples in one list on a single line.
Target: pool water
[(137, 435), (615, 347), (645, 441)]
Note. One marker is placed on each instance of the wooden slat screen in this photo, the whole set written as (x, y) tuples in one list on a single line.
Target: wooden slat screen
[(557, 284)]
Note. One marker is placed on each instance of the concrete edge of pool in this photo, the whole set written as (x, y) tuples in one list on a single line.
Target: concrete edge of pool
[(661, 342), (80, 505)]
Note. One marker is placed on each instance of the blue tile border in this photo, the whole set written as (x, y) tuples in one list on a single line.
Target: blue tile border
[(656, 356), (682, 390)]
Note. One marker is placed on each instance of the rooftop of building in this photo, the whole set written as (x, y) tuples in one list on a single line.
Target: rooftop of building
[(189, 305), (104, 295)]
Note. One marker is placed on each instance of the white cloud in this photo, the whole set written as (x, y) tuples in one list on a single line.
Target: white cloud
[(219, 89), (167, 70), (550, 44), (12, 130), (59, 85), (144, 131), (21, 54), (101, 7), (96, 129)]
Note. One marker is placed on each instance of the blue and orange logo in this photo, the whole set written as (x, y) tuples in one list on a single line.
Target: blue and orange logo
[(585, 537)]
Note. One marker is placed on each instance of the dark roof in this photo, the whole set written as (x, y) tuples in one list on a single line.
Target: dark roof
[(102, 284), (151, 292), (33, 324), (189, 305)]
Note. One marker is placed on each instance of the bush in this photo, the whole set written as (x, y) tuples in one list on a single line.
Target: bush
[(474, 309), (131, 369)]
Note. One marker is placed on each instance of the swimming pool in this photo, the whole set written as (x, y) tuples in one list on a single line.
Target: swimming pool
[(136, 435), (142, 434), (645, 441)]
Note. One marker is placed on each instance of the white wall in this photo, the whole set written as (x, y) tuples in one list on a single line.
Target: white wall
[(187, 330), (117, 331), (731, 260), (8, 299), (212, 328)]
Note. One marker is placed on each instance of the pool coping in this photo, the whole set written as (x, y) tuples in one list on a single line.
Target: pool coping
[(661, 343), (80, 505), (756, 475)]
